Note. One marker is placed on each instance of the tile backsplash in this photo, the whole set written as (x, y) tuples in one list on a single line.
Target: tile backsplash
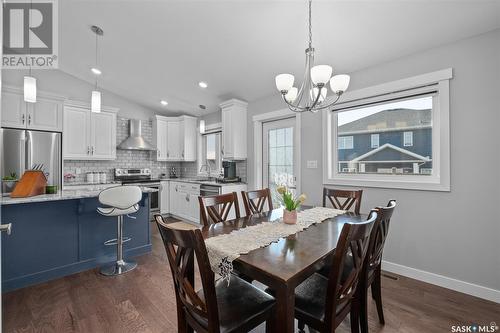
[(137, 159), (124, 158)]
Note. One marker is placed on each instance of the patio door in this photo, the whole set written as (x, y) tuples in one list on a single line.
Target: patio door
[(279, 153)]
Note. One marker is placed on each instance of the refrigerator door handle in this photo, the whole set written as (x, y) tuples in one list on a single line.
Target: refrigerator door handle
[(29, 152)]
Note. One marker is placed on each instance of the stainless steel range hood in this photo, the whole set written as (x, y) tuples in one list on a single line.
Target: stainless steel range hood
[(135, 141)]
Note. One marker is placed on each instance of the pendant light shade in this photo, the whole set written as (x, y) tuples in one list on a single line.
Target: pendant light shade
[(95, 105), (29, 89), (202, 126)]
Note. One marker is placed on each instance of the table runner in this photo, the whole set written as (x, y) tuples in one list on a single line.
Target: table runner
[(223, 249)]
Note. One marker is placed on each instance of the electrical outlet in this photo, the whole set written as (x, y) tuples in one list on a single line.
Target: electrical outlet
[(312, 164)]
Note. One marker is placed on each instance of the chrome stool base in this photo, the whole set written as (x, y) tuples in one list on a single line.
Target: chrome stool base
[(118, 268)]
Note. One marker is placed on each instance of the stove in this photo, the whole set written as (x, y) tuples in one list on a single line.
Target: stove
[(142, 177)]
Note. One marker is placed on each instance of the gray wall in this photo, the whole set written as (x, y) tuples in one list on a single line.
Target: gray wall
[(454, 234), (61, 83)]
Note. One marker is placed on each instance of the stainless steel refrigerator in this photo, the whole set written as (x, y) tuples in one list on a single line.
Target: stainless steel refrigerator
[(23, 149)]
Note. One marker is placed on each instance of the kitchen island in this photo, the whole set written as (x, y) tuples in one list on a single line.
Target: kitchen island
[(55, 235)]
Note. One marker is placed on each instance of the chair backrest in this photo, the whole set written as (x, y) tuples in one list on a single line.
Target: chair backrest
[(182, 246), (255, 201), (343, 199), (121, 197), (379, 235), (342, 286), (216, 208)]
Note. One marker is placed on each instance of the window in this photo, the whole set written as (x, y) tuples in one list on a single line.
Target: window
[(401, 130), (211, 153), (408, 139), (346, 142), (375, 139)]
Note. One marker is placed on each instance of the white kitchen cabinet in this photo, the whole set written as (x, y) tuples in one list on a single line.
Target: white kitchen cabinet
[(88, 135), (234, 130), (235, 188), (184, 201), (46, 114), (164, 197), (175, 138), (160, 137), (172, 199)]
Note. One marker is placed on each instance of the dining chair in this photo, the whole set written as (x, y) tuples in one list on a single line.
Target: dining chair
[(216, 208), (372, 268), (255, 201), (321, 302), (217, 307), (343, 199)]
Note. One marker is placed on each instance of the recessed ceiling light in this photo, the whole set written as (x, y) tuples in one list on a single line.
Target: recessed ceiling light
[(202, 84), (163, 102), (96, 71), (203, 107)]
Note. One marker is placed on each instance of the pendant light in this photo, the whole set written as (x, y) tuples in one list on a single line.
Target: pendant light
[(30, 81), (202, 126), (95, 104)]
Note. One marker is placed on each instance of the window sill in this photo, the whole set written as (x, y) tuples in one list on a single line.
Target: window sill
[(410, 183)]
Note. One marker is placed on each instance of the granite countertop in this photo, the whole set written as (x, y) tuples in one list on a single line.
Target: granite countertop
[(200, 181), (62, 195)]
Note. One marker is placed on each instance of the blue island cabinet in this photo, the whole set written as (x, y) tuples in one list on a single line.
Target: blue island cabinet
[(52, 239)]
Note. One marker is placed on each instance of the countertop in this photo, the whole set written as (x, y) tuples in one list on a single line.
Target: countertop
[(63, 195), (201, 182)]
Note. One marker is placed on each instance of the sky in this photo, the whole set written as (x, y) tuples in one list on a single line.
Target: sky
[(345, 117)]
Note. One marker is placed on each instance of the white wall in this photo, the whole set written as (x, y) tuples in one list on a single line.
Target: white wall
[(61, 83), (454, 234)]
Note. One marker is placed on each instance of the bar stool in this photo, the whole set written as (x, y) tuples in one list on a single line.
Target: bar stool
[(122, 200)]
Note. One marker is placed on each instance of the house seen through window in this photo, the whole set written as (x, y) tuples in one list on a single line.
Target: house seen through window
[(393, 137)]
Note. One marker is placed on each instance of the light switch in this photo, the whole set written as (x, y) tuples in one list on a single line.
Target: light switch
[(312, 164)]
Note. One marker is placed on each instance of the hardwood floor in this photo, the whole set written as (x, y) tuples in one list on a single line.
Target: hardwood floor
[(143, 301)]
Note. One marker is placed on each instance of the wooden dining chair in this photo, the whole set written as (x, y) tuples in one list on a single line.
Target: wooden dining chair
[(323, 303), (343, 199), (217, 307), (256, 200), (372, 268), (216, 208)]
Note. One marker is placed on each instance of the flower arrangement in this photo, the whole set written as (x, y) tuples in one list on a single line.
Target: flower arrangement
[(291, 204)]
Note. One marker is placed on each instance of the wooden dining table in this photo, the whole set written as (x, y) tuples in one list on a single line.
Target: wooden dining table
[(285, 264)]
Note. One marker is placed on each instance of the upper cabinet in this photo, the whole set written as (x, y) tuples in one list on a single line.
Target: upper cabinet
[(46, 114), (234, 130), (175, 138), (88, 135)]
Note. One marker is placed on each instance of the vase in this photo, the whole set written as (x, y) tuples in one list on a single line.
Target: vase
[(290, 217)]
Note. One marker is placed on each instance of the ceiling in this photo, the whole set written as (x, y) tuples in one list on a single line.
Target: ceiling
[(153, 50)]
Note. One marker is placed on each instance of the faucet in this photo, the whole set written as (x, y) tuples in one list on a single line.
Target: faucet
[(207, 168)]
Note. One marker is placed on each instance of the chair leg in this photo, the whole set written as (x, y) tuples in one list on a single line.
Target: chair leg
[(302, 327), (363, 311), (355, 317), (377, 296)]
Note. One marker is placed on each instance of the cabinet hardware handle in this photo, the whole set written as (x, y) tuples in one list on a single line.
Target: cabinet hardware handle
[(168, 153), (23, 117), (29, 119), (222, 150), (88, 150)]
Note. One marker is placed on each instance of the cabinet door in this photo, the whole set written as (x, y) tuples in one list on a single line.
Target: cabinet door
[(174, 188), (189, 139), (227, 134), (164, 198), (103, 136), (173, 142), (13, 110), (161, 141), (45, 115), (76, 133)]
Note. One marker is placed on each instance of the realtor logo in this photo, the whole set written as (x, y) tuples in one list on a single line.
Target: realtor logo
[(30, 34)]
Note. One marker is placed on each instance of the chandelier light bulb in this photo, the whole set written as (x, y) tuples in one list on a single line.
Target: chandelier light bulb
[(291, 95), (339, 83), (321, 74), (284, 82), (314, 93)]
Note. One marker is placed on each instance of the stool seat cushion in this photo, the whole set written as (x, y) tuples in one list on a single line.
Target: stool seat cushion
[(113, 211), (122, 197)]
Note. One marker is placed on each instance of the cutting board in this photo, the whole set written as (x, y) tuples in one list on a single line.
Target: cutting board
[(32, 183)]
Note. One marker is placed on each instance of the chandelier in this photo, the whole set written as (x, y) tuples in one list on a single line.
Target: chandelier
[(311, 96)]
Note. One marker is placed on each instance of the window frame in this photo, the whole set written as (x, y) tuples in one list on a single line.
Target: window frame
[(344, 146), (209, 129), (372, 136), (409, 142), (440, 179)]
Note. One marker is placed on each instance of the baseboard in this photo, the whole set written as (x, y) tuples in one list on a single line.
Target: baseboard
[(443, 281)]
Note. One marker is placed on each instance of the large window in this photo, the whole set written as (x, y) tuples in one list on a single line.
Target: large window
[(397, 138)]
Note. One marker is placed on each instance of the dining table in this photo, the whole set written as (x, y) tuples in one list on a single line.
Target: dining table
[(284, 264)]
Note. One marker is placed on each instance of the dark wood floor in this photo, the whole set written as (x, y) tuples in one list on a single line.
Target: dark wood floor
[(143, 301)]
